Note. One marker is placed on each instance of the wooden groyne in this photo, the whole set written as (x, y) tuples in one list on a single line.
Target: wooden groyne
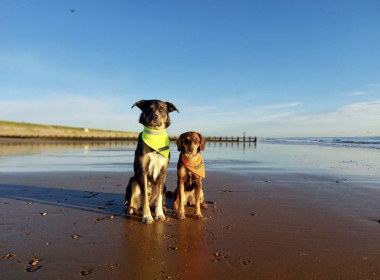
[(232, 139)]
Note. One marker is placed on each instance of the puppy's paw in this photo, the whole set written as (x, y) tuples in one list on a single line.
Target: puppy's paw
[(160, 218), (147, 219), (131, 210), (175, 206)]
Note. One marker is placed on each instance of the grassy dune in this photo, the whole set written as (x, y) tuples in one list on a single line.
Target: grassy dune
[(30, 130)]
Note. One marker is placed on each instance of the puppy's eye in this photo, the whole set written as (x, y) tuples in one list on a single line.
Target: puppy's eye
[(161, 109)]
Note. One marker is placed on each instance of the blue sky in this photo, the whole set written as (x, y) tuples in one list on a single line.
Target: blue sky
[(267, 68)]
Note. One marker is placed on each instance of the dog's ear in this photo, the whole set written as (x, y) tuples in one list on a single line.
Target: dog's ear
[(179, 143), (203, 142), (141, 104), (171, 107)]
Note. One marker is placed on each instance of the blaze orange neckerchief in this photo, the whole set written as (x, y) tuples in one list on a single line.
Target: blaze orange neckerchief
[(195, 164), (158, 140)]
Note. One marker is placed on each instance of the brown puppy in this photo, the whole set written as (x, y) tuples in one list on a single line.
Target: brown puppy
[(147, 186), (190, 171)]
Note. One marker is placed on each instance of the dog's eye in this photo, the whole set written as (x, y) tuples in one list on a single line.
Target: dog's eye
[(161, 109)]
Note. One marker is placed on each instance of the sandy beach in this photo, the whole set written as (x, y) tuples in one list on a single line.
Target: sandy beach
[(279, 227), (258, 225)]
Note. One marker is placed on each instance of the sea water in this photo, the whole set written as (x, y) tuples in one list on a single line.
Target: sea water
[(357, 142), (348, 156)]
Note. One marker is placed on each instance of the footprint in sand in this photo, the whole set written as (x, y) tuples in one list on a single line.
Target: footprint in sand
[(219, 256), (227, 227), (7, 256), (34, 265), (245, 262)]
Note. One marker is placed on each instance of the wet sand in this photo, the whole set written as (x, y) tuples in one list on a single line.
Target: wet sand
[(262, 226)]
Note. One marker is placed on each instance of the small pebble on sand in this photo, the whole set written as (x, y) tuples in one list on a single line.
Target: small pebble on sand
[(85, 272)]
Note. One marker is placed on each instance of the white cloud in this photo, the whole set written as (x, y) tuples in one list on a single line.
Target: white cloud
[(280, 106), (271, 120), (356, 93), (355, 119), (71, 111), (361, 119), (374, 85)]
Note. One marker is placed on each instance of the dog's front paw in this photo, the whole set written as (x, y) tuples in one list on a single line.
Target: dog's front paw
[(160, 218), (175, 206), (147, 219), (199, 216), (131, 210), (181, 216)]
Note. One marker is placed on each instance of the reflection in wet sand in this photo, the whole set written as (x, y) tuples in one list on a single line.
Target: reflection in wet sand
[(39, 147), (173, 249)]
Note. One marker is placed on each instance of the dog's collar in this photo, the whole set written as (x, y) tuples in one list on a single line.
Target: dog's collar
[(154, 131), (157, 139), (194, 164)]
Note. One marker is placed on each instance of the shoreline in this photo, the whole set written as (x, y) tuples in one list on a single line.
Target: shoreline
[(263, 226)]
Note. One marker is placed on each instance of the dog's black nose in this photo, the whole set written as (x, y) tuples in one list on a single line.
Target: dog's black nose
[(155, 116)]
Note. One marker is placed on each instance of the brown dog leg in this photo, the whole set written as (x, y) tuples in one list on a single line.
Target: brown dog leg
[(182, 200), (198, 191)]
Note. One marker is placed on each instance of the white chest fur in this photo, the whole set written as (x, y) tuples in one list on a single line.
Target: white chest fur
[(157, 161)]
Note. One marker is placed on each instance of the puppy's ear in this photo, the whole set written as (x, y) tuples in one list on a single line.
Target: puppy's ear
[(171, 107), (179, 143), (203, 142), (141, 104)]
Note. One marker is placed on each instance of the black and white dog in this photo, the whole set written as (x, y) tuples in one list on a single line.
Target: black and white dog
[(147, 187)]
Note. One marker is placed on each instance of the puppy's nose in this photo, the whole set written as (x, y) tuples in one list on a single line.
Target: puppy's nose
[(191, 149), (155, 116)]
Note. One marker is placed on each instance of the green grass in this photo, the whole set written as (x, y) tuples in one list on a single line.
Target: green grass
[(41, 129)]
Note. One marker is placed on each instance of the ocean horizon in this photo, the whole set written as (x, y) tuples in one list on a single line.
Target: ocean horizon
[(371, 142)]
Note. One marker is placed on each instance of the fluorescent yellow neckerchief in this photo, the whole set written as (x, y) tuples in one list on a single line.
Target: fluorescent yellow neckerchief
[(158, 140)]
